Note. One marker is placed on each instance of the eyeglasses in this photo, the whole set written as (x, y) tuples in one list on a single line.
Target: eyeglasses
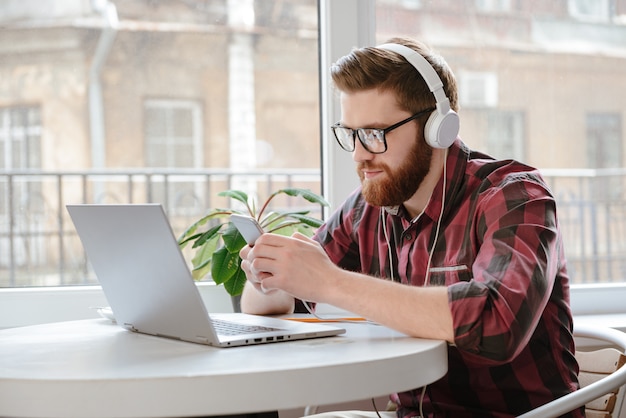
[(372, 139)]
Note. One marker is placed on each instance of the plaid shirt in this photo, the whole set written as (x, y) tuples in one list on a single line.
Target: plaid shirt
[(499, 252)]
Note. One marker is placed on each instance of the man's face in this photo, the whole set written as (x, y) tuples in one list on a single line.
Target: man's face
[(391, 178)]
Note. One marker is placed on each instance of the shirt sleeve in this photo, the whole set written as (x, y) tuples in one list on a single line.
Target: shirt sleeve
[(514, 272)]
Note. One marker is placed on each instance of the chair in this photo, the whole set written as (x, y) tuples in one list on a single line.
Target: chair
[(601, 377)]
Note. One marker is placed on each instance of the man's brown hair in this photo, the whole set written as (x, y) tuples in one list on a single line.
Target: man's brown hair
[(372, 68)]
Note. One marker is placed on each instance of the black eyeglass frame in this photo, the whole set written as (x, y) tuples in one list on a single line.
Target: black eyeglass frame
[(361, 131)]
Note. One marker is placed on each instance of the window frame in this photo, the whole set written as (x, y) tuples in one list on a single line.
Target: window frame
[(28, 306)]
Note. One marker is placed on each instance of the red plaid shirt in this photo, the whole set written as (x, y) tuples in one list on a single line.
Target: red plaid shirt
[(499, 252)]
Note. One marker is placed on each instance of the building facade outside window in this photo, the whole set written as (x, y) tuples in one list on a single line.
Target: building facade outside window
[(122, 101)]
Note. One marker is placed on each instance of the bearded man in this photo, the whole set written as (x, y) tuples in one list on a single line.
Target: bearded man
[(439, 241)]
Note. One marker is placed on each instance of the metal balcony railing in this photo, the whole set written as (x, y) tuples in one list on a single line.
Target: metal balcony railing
[(38, 243), (39, 247), (592, 216)]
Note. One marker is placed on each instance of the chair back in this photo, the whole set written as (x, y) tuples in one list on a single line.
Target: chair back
[(601, 377), (596, 365)]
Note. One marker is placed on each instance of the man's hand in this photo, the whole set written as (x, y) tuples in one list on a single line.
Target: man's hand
[(297, 265)]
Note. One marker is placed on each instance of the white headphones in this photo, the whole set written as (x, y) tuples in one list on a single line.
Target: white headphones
[(442, 126)]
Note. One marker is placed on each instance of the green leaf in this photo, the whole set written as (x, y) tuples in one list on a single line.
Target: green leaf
[(200, 272), (305, 194), (307, 220), (210, 234), (205, 252), (215, 213), (271, 221), (234, 286), (305, 230), (224, 265), (183, 241), (203, 258), (233, 240), (235, 194), (276, 222)]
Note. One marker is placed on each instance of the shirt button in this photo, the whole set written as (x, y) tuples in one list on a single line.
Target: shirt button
[(407, 237)]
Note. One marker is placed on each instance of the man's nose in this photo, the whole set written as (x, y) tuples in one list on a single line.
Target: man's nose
[(360, 153)]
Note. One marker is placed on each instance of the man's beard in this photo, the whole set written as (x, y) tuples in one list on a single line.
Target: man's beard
[(401, 183)]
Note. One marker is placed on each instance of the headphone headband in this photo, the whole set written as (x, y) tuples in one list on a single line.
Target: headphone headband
[(442, 126)]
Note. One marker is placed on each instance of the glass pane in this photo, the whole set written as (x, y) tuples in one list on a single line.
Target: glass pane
[(156, 122), (176, 138), (505, 135), (604, 143), (541, 82), (166, 106), (18, 156), (182, 123), (33, 150)]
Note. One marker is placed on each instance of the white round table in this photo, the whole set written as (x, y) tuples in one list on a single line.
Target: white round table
[(93, 368)]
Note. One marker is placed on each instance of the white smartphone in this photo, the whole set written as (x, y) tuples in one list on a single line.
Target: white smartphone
[(247, 226)]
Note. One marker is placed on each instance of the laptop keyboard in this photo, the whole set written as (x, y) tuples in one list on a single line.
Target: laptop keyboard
[(223, 327)]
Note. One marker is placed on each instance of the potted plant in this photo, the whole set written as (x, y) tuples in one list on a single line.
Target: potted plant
[(216, 242)]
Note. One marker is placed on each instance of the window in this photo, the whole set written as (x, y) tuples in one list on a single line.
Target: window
[(478, 89), (173, 139), (543, 76), (20, 148), (493, 5), (598, 10), (143, 101), (604, 140), (22, 212), (604, 150), (505, 134), (20, 137), (173, 131)]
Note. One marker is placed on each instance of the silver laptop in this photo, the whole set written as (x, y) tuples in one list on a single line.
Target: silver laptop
[(149, 287)]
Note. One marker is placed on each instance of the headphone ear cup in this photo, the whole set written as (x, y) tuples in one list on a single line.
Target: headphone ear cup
[(441, 129)]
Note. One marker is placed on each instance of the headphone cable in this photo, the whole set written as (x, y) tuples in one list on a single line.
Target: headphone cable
[(443, 204)]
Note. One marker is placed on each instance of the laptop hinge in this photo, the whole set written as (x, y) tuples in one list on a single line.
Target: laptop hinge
[(130, 327), (167, 336)]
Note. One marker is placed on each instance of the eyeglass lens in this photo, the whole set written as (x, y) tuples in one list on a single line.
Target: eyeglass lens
[(373, 140)]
